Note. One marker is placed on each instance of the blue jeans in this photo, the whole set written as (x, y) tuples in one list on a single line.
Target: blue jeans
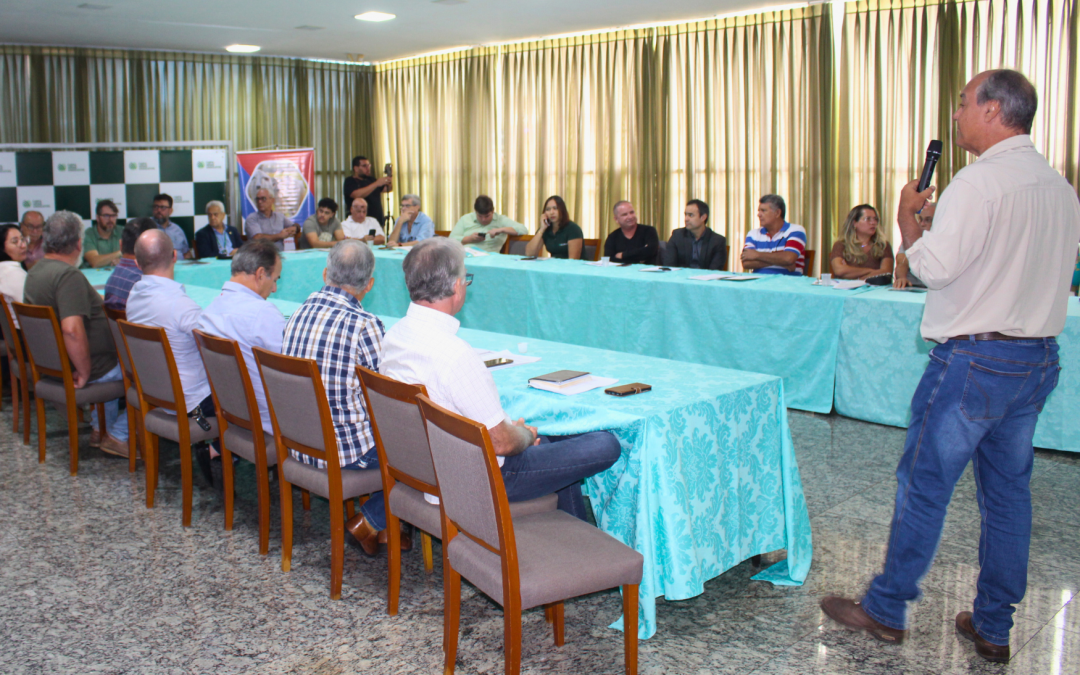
[(558, 464), (978, 402), (115, 416)]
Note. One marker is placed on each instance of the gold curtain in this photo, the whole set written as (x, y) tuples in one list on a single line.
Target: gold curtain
[(65, 95), (902, 66)]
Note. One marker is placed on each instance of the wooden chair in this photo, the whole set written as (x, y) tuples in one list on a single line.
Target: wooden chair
[(515, 244), (131, 397), (808, 259), (590, 249), (17, 371), (302, 423), (241, 424), (51, 374), (407, 472), (163, 406), (539, 559), (438, 233)]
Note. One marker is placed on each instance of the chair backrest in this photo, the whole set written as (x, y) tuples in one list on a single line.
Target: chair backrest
[(398, 427), (442, 233), (808, 258), (229, 381), (301, 416), (590, 249), (515, 244), (152, 363), (660, 252), (12, 335), (115, 315), (470, 484), (41, 334)]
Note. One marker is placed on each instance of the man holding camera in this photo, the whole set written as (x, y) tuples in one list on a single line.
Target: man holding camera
[(363, 185)]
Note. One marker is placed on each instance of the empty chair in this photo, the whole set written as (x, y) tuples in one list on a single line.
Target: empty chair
[(240, 423), (407, 473), (17, 371), (300, 414), (590, 249), (52, 376), (808, 258), (515, 244), (164, 411), (134, 414), (533, 560)]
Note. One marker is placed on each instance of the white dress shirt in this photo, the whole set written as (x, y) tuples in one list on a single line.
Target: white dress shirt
[(161, 302), (12, 281), (355, 230), (1000, 255), (241, 314)]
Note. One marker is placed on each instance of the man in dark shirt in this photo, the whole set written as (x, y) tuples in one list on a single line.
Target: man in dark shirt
[(696, 246), (631, 243), (361, 184)]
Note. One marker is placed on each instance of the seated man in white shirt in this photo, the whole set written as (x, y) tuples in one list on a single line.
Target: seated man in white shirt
[(243, 313), (423, 348), (158, 300), (361, 226)]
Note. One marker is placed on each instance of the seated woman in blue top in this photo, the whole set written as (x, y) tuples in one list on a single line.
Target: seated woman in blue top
[(412, 226), (216, 238), (557, 233)]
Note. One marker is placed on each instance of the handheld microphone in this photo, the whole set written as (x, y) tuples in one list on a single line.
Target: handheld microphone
[(933, 154)]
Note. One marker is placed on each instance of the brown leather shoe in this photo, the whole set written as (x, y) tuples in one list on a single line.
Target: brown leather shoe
[(362, 531), (113, 446), (95, 438), (405, 539), (987, 650), (851, 614)]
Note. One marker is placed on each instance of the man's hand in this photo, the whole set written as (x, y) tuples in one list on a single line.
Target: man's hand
[(287, 232), (532, 430), (472, 239), (911, 202), (900, 282), (618, 256), (749, 255), (385, 180)]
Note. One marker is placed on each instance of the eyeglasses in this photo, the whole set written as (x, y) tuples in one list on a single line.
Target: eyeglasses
[(468, 279)]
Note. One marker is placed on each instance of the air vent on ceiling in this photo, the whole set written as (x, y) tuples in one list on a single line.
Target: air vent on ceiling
[(306, 27), (449, 2), (89, 5)]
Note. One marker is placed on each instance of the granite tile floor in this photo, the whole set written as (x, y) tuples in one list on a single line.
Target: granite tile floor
[(92, 581)]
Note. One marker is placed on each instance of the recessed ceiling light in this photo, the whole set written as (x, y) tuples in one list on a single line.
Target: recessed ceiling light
[(375, 16), (307, 27), (242, 49)]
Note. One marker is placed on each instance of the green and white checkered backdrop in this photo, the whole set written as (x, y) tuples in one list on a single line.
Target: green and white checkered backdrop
[(76, 180)]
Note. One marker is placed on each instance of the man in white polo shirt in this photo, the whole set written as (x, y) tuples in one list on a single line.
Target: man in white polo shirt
[(997, 265), (423, 348)]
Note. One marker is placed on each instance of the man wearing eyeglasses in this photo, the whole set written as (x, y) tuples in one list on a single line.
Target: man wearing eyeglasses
[(101, 242), (163, 207), (267, 223), (31, 225)]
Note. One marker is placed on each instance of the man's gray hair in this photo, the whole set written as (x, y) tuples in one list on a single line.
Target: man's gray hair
[(432, 267), (214, 202), (615, 209), (153, 251), (775, 201), (1014, 93), (254, 255), (350, 265), (268, 189), (411, 200), (63, 233)]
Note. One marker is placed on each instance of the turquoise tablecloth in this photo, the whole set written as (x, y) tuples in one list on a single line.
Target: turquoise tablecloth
[(707, 477), (781, 326), (882, 356)]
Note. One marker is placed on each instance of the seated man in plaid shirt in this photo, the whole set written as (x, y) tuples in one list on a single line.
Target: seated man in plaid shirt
[(127, 272), (333, 328)]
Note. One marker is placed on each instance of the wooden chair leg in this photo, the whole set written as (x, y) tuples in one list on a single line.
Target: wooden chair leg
[(14, 397), (451, 614), (393, 557), (26, 410), (133, 437), (263, 489), (73, 436), (547, 614), (350, 508), (512, 635), (41, 430), (305, 499), (101, 419), (337, 551), (227, 479), (630, 610), (429, 558), (556, 610), (151, 461), (286, 522), (186, 486)]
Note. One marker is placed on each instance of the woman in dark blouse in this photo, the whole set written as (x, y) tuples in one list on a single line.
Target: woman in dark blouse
[(863, 252), (557, 233)]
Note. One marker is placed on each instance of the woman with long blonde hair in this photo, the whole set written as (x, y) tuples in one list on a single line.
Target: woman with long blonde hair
[(862, 252)]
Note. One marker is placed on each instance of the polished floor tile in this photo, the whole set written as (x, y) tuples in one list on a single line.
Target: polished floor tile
[(94, 582)]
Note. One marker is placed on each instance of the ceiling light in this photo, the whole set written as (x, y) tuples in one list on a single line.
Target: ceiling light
[(375, 16), (242, 49)]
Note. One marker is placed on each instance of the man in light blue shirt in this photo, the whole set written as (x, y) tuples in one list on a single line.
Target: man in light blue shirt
[(413, 225), (163, 206), (243, 313)]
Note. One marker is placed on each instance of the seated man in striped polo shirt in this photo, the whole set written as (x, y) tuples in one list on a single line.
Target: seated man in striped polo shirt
[(777, 247)]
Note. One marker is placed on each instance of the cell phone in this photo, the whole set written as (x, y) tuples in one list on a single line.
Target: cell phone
[(498, 362), (388, 169), (529, 257), (371, 232), (628, 389), (482, 235)]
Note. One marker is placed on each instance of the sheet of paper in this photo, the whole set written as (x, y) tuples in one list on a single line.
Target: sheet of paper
[(475, 252), (601, 264), (909, 289), (586, 384), (708, 277), (655, 269), (848, 284), (518, 359)]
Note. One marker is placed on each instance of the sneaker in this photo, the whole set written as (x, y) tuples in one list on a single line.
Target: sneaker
[(114, 446)]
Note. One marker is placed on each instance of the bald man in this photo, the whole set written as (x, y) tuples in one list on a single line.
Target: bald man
[(158, 300), (31, 225)]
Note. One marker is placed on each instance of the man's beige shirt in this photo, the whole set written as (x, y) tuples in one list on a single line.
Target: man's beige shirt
[(1001, 252)]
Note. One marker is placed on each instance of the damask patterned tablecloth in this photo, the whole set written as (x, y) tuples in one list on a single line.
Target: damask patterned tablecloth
[(882, 356), (707, 477)]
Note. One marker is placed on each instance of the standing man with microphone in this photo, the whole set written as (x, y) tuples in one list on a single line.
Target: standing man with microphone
[(997, 265)]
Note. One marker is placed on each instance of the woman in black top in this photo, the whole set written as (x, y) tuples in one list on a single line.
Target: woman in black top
[(557, 233)]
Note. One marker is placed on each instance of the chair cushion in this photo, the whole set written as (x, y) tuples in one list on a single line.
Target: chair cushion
[(161, 423), (539, 505), (559, 557), (353, 482), (50, 389), (241, 441), (409, 505)]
